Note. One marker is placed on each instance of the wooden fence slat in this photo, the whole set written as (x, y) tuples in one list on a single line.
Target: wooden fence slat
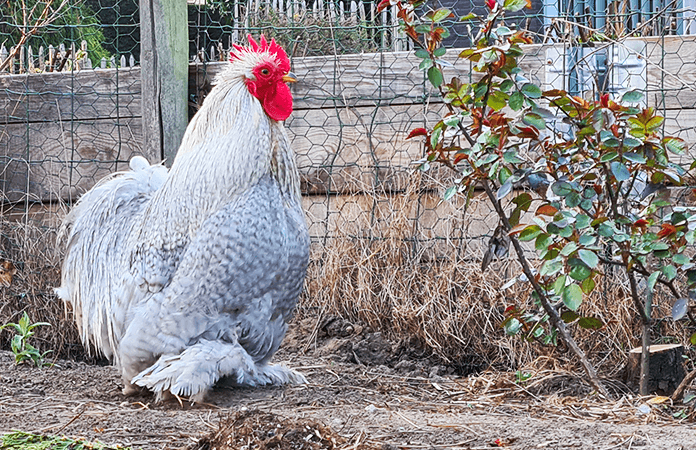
[(55, 96), (64, 160)]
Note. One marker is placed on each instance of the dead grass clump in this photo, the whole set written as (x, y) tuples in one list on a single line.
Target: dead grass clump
[(30, 247), (264, 431)]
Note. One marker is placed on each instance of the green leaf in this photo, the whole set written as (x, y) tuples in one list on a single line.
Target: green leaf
[(569, 316), (523, 201), (504, 189), (608, 156), (441, 14), (582, 221), (514, 5), (635, 157), (529, 233), (516, 101), (629, 142), (449, 193), (497, 100), (680, 308), (634, 96), (589, 257), (561, 188), (543, 241), (652, 280), (569, 248), (531, 90), (674, 145), (551, 267), (453, 120), (572, 296), (692, 339), (512, 327), (440, 52), (426, 64), (587, 285), (512, 157), (620, 171), (580, 272), (590, 323), (559, 284), (670, 272), (435, 76), (573, 199), (680, 259), (468, 17), (534, 120), (586, 239), (435, 137), (422, 53)]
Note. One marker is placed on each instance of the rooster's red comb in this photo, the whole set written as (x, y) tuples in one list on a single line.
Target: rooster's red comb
[(264, 46)]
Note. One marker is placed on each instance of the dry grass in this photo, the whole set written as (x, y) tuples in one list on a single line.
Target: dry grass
[(28, 242), (446, 304)]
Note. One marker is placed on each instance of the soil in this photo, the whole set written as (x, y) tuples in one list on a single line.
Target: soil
[(364, 392)]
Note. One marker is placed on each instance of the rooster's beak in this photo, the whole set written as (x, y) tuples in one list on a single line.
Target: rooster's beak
[(290, 78)]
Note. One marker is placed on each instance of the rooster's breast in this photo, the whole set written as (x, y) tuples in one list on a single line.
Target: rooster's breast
[(241, 275)]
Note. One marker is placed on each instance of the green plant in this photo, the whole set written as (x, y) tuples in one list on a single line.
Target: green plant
[(51, 22), (595, 174), (521, 378), (22, 440), (21, 348)]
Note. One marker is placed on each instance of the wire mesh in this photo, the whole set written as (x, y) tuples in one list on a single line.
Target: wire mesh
[(71, 109), (358, 98)]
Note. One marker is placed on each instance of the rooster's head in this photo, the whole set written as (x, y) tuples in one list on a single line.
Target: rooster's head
[(267, 72)]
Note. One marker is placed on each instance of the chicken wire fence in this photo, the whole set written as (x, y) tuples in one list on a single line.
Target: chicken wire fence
[(359, 96), (70, 96)]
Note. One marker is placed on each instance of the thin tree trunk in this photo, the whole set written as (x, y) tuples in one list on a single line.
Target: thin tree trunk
[(645, 354), (554, 317)]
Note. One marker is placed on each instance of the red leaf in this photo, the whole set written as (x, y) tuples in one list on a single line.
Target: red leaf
[(604, 100), (417, 132), (383, 5), (546, 210), (491, 4), (517, 229), (667, 230), (528, 133), (641, 223), (458, 157)]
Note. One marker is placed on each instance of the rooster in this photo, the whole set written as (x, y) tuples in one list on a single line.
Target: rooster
[(185, 276)]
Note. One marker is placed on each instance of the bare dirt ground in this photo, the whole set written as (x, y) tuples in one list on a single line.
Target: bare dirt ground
[(362, 394)]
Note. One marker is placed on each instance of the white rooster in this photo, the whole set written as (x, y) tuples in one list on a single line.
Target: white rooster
[(187, 276)]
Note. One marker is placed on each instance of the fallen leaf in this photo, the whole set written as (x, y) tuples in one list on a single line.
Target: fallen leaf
[(658, 399), (7, 270)]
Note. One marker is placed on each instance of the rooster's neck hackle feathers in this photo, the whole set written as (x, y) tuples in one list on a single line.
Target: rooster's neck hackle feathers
[(221, 155)]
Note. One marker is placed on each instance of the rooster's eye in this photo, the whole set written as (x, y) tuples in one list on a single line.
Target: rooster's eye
[(265, 72)]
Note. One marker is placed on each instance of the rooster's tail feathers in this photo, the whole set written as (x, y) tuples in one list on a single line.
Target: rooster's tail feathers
[(94, 235)]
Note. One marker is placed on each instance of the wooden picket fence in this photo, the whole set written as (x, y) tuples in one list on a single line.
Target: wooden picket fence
[(248, 14), (61, 59)]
